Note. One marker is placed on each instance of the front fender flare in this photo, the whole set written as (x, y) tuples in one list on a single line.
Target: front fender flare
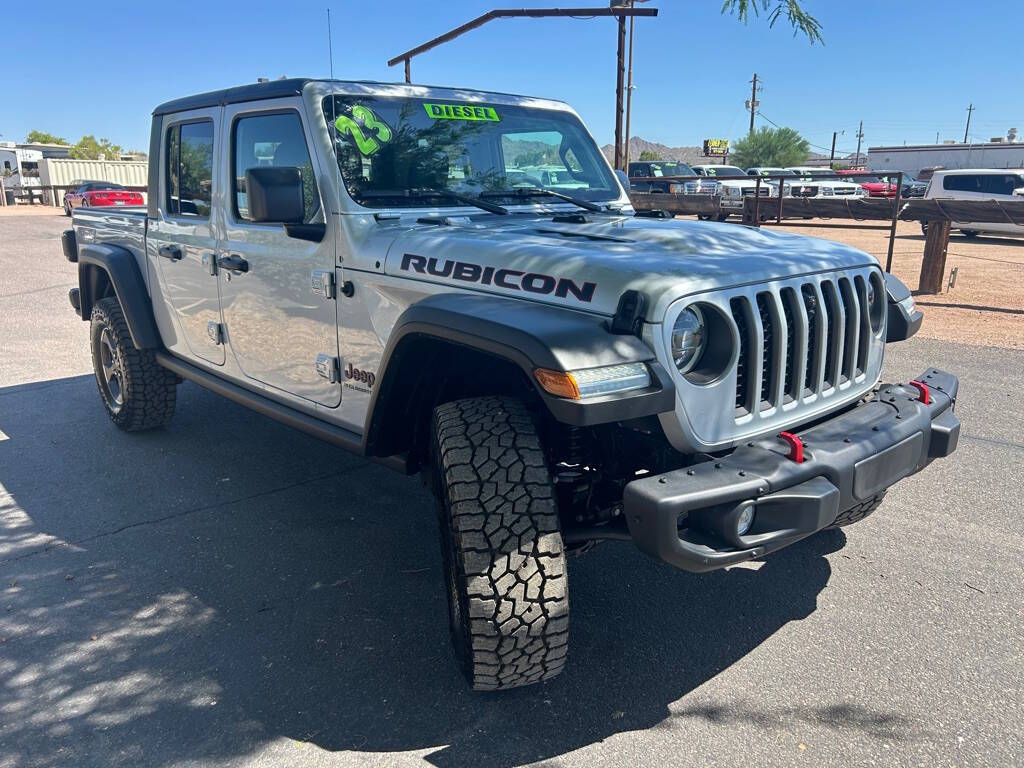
[(530, 336)]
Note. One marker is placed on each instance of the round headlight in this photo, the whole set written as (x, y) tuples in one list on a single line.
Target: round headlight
[(688, 338)]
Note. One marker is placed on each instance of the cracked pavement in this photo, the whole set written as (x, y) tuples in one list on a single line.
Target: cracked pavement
[(228, 592)]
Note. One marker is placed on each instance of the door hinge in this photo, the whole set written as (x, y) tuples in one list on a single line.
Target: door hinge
[(216, 332), (323, 283), (329, 368)]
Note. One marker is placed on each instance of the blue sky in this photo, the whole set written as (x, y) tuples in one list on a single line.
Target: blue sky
[(102, 71)]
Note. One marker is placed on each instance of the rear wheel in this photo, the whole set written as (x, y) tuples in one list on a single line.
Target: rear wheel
[(67, 208), (722, 217), (924, 228), (137, 392), (859, 512), (504, 561), (970, 234)]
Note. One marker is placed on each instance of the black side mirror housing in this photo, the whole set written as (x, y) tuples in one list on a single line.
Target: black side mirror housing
[(275, 194)]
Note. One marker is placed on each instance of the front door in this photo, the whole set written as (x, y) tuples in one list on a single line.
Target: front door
[(281, 328), (182, 240)]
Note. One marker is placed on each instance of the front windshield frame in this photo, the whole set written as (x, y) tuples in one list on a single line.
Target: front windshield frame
[(466, 150)]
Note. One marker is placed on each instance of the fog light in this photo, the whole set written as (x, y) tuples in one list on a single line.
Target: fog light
[(745, 520)]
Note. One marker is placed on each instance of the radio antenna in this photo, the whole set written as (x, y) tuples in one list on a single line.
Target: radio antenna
[(330, 43)]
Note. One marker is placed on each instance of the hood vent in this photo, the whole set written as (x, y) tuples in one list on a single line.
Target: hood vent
[(568, 233)]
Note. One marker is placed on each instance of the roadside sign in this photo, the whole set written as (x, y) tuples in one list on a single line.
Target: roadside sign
[(716, 147)]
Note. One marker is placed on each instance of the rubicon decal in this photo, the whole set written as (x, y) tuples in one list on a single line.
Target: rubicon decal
[(511, 279)]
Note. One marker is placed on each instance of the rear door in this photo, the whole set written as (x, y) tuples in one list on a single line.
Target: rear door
[(281, 322), (182, 240)]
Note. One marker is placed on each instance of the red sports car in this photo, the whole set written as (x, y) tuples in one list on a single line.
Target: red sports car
[(876, 186), (97, 193)]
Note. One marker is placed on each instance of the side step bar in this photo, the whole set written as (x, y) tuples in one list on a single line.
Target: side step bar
[(329, 433)]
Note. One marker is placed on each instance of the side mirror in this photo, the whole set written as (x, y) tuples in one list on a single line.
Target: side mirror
[(275, 195)]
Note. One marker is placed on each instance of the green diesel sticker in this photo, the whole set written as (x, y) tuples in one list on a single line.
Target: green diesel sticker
[(368, 145), (461, 112)]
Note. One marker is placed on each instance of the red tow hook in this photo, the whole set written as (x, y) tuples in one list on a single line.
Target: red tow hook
[(796, 446), (923, 393)]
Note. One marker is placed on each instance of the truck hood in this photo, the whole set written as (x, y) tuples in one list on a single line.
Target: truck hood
[(588, 264)]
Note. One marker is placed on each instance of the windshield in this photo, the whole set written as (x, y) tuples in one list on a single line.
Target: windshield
[(776, 172), (723, 170), (392, 151), (671, 169)]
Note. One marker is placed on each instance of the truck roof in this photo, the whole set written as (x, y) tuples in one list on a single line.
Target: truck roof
[(275, 89)]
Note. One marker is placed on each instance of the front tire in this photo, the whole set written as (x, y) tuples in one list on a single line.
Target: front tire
[(504, 560), (859, 512), (137, 392), (67, 208)]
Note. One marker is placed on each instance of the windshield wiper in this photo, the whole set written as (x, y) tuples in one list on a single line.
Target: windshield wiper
[(421, 192), (538, 192)]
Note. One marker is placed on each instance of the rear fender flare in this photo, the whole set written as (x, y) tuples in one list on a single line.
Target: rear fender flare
[(101, 265)]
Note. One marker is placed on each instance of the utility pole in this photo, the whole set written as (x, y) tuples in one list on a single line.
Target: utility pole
[(629, 90), (968, 128), (832, 156), (753, 103), (620, 71), (860, 135)]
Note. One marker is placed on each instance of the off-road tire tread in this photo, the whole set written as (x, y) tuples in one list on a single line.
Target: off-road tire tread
[(508, 546), (859, 512), (150, 390)]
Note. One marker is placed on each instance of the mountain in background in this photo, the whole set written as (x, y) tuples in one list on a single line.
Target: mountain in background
[(688, 155)]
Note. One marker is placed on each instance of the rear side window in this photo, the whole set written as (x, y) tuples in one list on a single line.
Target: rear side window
[(963, 182), (190, 169), (1001, 183), (272, 141)]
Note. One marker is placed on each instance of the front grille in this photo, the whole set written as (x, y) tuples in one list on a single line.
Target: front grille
[(845, 191), (806, 340), (764, 192)]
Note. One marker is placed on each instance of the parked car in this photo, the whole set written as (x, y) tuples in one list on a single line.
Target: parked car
[(96, 194), (913, 187), (559, 376), (874, 185), (645, 169), (789, 182), (731, 183), (978, 184), (813, 185)]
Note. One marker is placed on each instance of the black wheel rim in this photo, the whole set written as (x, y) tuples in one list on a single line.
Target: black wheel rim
[(110, 371)]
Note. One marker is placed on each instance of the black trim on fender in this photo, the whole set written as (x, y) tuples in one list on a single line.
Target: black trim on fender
[(329, 433), (69, 244), (534, 336), (122, 270), (900, 324)]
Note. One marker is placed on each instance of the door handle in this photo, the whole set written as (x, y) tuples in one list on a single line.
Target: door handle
[(233, 262), (172, 252)]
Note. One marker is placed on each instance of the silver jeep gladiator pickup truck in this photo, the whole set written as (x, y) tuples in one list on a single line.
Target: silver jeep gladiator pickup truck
[(378, 266)]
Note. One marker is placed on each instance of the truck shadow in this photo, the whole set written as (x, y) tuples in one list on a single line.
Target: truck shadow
[(227, 585)]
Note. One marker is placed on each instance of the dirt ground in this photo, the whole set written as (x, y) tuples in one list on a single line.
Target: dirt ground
[(987, 304)]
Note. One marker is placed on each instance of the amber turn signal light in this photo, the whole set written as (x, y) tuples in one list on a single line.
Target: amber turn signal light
[(557, 383)]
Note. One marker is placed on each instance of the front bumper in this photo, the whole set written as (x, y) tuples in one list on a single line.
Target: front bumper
[(687, 517)]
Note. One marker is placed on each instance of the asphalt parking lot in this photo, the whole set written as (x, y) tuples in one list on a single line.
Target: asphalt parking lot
[(228, 592)]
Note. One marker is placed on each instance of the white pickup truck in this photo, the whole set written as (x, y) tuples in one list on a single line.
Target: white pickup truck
[(732, 184), (362, 262)]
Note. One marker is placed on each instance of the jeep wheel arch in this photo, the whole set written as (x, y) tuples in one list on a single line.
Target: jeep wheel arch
[(108, 270), (492, 346)]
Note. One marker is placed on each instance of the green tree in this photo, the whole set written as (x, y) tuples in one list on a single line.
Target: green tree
[(89, 148), (772, 147), (41, 137), (799, 19), (648, 155)]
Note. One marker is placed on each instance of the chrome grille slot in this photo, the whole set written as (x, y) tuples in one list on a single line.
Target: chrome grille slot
[(739, 316), (851, 309), (833, 315), (865, 323)]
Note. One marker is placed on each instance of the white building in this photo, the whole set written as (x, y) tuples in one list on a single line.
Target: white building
[(915, 158)]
